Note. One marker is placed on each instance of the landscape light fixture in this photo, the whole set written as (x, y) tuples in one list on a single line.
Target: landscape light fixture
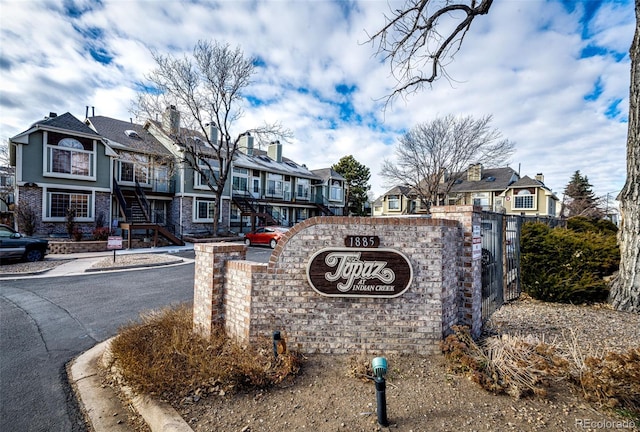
[(276, 340), (379, 366)]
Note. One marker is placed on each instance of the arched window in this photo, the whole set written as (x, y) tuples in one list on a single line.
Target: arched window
[(524, 200)]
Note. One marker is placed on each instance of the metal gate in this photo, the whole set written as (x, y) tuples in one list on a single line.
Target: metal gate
[(500, 260)]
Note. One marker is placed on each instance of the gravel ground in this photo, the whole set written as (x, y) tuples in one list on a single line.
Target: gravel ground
[(422, 395), (127, 260), (31, 267)]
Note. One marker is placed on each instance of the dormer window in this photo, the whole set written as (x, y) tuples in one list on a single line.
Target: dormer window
[(524, 200), (132, 134), (393, 202), (69, 157)]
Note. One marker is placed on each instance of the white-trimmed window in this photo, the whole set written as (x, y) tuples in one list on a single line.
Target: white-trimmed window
[(524, 200), (134, 167), (240, 179), (393, 202), (255, 190), (551, 206), (274, 185), (59, 203), (335, 191), (235, 214), (481, 199), (200, 178), (302, 188), (204, 210), (69, 157), (301, 214)]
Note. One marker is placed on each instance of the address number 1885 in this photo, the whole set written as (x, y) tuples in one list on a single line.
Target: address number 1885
[(362, 241)]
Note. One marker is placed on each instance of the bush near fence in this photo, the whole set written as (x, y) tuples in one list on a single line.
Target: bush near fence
[(568, 265)]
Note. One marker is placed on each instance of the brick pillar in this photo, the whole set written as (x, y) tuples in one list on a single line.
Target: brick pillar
[(208, 285), (470, 290)]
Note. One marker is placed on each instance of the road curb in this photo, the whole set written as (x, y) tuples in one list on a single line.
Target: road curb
[(102, 406)]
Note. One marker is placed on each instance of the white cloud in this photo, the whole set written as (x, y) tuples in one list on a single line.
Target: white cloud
[(522, 64)]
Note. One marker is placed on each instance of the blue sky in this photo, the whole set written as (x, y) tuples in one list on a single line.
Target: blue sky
[(554, 74)]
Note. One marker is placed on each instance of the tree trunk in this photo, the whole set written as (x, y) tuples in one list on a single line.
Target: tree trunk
[(625, 290), (216, 210)]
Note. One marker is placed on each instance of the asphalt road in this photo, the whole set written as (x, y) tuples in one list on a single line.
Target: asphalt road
[(46, 322)]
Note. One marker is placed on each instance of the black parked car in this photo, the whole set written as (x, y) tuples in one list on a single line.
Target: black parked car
[(15, 246)]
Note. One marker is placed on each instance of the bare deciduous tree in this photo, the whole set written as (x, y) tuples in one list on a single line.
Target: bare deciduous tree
[(414, 43), (433, 155), (413, 40), (625, 289), (206, 88)]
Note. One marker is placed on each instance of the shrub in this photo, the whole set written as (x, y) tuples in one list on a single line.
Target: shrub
[(100, 222), (27, 218), (77, 234), (504, 364), (70, 221), (522, 366), (568, 265), (101, 233), (162, 355), (584, 224), (613, 380)]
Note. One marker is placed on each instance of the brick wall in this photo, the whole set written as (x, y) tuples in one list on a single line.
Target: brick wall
[(253, 300), (69, 247), (208, 295), (470, 301)]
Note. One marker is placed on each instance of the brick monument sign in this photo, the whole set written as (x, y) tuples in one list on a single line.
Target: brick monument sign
[(348, 284)]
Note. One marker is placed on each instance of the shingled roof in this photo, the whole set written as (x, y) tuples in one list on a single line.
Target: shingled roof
[(118, 134), (65, 122), (328, 173), (493, 179)]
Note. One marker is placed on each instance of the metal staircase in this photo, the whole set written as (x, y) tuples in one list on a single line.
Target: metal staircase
[(137, 216), (248, 206)]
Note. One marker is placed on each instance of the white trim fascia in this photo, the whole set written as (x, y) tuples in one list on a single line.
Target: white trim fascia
[(18, 165), (68, 187)]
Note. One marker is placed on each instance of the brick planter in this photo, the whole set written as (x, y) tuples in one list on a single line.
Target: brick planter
[(69, 247)]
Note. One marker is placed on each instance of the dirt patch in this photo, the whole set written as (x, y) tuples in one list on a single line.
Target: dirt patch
[(422, 395)]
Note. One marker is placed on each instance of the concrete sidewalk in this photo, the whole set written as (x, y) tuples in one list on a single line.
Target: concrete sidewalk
[(81, 262)]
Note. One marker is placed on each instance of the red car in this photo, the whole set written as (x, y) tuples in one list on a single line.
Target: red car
[(265, 235)]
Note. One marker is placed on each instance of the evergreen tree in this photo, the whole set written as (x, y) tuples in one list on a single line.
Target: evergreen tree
[(579, 199), (357, 176)]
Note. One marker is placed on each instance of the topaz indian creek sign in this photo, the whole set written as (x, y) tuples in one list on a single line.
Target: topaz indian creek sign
[(364, 271)]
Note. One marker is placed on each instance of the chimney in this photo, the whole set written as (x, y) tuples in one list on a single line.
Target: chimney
[(245, 145), (171, 120), (540, 178), (275, 151), (52, 115), (213, 133), (474, 173)]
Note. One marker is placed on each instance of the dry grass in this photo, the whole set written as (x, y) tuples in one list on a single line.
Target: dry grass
[(161, 355), (505, 364), (525, 365)]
